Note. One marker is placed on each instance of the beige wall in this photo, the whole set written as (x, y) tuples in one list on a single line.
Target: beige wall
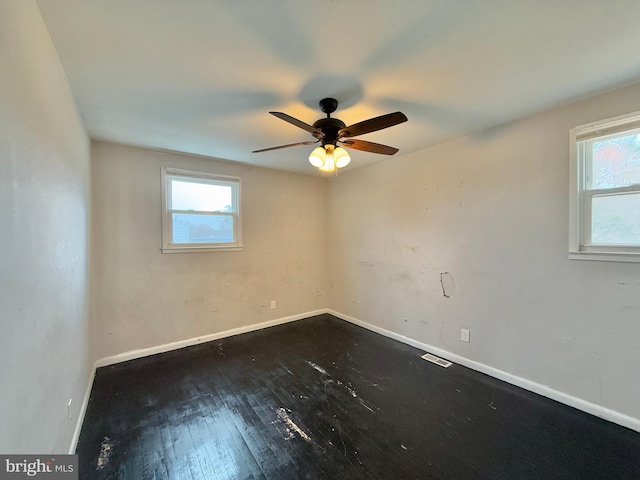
[(144, 298), (44, 196), (491, 209)]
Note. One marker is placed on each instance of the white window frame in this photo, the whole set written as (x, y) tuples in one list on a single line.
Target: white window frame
[(580, 246), (200, 177)]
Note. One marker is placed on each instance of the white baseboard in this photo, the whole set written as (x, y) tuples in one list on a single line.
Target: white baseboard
[(545, 391), (588, 407), (145, 352), (83, 410)]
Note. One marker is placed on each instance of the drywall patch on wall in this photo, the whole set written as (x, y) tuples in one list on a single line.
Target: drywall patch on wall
[(506, 244), (448, 284)]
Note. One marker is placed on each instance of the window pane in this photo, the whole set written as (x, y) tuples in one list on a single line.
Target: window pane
[(204, 197), (616, 220), (616, 162), (194, 228)]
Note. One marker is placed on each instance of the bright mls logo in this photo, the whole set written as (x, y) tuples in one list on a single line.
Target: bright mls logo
[(51, 467)]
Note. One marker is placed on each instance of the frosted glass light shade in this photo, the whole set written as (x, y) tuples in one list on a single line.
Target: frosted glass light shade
[(329, 164), (341, 157), (318, 157)]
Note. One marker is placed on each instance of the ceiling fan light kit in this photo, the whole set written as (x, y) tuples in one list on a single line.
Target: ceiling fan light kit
[(333, 131), (329, 157)]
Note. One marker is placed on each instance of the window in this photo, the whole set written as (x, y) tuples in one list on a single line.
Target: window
[(605, 190), (201, 212)]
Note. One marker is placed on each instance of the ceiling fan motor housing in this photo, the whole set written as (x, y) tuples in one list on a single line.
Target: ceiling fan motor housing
[(330, 128)]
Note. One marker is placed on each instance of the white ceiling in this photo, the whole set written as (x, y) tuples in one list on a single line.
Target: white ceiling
[(199, 76)]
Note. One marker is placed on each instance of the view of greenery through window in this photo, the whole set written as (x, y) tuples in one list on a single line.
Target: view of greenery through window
[(615, 217)]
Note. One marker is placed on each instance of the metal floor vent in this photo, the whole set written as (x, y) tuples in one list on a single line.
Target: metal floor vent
[(437, 360)]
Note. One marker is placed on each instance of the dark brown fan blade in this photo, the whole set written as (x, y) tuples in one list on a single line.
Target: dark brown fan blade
[(298, 123), (369, 146), (372, 125), (310, 142)]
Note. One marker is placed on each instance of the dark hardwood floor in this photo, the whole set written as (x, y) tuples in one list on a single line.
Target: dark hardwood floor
[(321, 398)]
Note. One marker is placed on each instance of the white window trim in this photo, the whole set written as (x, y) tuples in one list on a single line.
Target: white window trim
[(167, 246), (579, 247)]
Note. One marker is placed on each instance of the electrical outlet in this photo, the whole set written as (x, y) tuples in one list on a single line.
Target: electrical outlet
[(273, 304), (465, 335)]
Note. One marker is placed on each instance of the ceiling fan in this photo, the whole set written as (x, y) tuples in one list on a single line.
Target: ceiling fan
[(334, 134)]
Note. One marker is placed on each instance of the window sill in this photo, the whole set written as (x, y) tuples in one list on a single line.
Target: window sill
[(200, 249), (629, 257)]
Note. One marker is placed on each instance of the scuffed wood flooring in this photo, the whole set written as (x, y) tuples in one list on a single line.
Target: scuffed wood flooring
[(323, 399)]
